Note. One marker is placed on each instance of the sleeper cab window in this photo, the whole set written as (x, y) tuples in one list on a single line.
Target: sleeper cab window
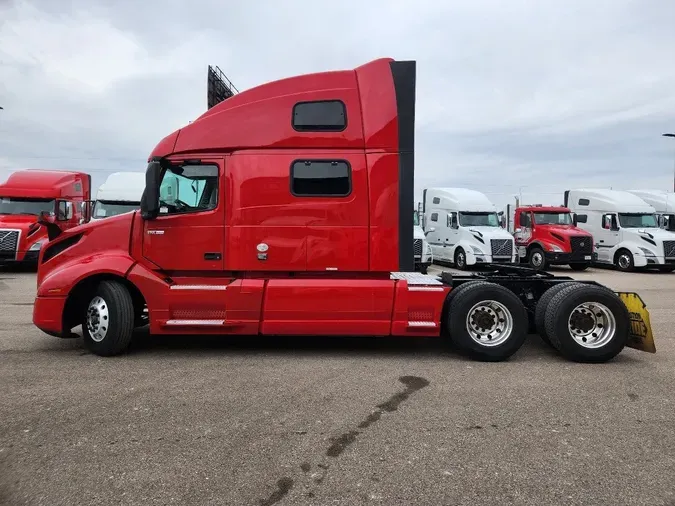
[(584, 202), (437, 200), (582, 218), (189, 188), (434, 216), (321, 178), (320, 116)]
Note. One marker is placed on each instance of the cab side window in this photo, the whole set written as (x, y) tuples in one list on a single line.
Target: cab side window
[(525, 221), (189, 188)]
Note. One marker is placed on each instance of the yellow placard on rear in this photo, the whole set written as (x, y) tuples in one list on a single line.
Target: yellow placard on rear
[(641, 337)]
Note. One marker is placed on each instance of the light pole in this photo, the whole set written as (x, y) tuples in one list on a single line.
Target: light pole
[(672, 135)]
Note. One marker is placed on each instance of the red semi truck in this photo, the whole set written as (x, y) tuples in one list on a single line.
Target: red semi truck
[(285, 210), (28, 193), (548, 235)]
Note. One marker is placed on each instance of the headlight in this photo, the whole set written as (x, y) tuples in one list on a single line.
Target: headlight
[(646, 252), (555, 248), (477, 251), (36, 246)]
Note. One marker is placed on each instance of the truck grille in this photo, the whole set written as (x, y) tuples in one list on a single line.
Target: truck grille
[(417, 247), (9, 240), (501, 248), (669, 249), (581, 245)]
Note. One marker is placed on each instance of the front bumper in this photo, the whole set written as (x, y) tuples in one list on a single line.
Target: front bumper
[(21, 257), (48, 315), (554, 258)]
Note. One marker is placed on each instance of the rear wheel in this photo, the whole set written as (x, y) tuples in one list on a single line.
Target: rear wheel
[(587, 323), (487, 321), (109, 321), (579, 267), (536, 258), (542, 305)]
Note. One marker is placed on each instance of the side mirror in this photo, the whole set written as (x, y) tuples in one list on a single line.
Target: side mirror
[(518, 230), (502, 221), (64, 210), (150, 198), (48, 221), (574, 220)]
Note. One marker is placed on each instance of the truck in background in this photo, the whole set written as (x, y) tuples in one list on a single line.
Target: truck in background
[(464, 229), (663, 201), (547, 235), (625, 229), (421, 249), (301, 225), (28, 193), (120, 193)]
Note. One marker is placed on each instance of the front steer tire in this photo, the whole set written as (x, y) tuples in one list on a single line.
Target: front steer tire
[(486, 305), (590, 305), (109, 319)]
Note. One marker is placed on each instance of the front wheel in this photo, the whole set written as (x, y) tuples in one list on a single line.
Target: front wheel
[(578, 267), (587, 323), (536, 259), (623, 261), (109, 321), (460, 259), (487, 321), (424, 269)]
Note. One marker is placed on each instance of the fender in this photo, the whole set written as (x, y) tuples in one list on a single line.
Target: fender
[(61, 281)]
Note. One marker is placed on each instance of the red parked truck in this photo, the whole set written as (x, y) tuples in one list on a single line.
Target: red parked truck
[(548, 235), (285, 210), (25, 195)]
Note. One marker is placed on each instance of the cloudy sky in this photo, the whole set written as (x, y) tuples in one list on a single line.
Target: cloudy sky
[(518, 97)]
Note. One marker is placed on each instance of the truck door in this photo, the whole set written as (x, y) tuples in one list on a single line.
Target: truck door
[(607, 235), (436, 233), (188, 234), (523, 233), (452, 235)]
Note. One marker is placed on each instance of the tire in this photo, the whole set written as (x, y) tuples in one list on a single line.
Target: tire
[(536, 258), (666, 269), (596, 299), (579, 267), (424, 269), (110, 303), (623, 261), (488, 301), (460, 259), (542, 305)]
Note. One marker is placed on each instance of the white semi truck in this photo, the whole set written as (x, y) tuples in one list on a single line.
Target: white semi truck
[(463, 228), (625, 229), (120, 193), (421, 249), (663, 201)]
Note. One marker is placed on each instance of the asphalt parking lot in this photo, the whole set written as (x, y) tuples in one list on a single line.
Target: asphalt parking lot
[(332, 421)]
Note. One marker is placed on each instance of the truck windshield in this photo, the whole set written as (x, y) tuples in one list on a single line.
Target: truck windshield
[(106, 208), (552, 218), (17, 205), (478, 219), (416, 219), (637, 220)]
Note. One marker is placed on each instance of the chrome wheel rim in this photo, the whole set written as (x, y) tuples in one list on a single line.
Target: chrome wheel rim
[(537, 259), (98, 319), (460, 259), (624, 261), (489, 323), (591, 325)]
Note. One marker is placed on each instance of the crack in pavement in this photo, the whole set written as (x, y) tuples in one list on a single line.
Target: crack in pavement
[(340, 443)]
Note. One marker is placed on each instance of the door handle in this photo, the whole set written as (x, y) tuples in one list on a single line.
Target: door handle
[(212, 256)]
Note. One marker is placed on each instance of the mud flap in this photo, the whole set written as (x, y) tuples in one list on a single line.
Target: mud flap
[(641, 337)]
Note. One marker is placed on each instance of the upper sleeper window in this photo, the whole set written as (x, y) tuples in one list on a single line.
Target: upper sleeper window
[(584, 202), (323, 116), (321, 178), (436, 200)]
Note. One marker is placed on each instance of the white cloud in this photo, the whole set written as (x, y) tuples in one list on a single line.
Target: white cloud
[(520, 96)]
